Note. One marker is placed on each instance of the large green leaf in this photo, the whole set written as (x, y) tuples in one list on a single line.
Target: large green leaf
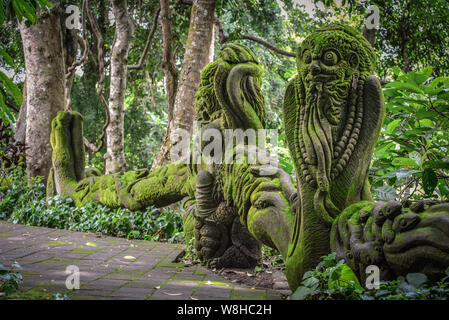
[(345, 277), (405, 86), (6, 57), (420, 77), (11, 88), (416, 156), (5, 114), (386, 193), (393, 125), (436, 164), (417, 279), (405, 162), (2, 14), (301, 293), (399, 174), (429, 180)]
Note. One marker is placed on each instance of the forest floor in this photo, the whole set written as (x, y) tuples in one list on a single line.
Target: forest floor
[(117, 268)]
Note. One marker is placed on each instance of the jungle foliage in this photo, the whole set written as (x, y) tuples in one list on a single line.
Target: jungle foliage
[(333, 280)]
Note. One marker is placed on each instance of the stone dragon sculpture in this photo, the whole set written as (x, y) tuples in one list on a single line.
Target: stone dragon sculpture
[(231, 207), (333, 112)]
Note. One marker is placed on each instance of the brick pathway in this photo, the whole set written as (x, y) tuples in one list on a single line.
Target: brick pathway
[(111, 268)]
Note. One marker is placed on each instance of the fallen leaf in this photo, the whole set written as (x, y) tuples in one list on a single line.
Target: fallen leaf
[(129, 258), (172, 294), (91, 244)]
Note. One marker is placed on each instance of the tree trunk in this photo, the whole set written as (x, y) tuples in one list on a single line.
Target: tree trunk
[(44, 63), (370, 35), (168, 63), (115, 155), (21, 122), (195, 58)]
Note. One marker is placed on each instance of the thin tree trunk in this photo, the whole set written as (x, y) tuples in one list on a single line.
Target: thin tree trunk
[(168, 63), (21, 122), (212, 47), (370, 35), (115, 155), (44, 63), (195, 58)]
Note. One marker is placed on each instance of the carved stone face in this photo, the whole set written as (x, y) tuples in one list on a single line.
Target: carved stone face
[(330, 62), (327, 65)]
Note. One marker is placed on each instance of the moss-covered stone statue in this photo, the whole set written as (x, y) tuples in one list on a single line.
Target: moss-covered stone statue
[(231, 207), (333, 113)]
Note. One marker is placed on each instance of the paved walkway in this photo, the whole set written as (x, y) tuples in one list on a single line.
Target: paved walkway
[(111, 268)]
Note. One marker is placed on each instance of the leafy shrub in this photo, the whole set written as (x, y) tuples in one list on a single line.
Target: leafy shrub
[(411, 157), (26, 204), (333, 280), (12, 155), (10, 278)]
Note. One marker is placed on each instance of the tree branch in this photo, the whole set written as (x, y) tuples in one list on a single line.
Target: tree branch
[(90, 54), (99, 37), (269, 46), (186, 2), (148, 43), (71, 70), (222, 38), (221, 35), (10, 106)]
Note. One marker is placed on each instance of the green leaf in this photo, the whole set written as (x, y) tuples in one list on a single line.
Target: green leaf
[(2, 14), (410, 87), (346, 278), (430, 181), (18, 9), (6, 57), (416, 279), (436, 164), (397, 71), (423, 75), (29, 11), (5, 113), (12, 88), (311, 282), (416, 156), (426, 114), (393, 125), (399, 174), (386, 193), (405, 162), (437, 81), (301, 293), (443, 188)]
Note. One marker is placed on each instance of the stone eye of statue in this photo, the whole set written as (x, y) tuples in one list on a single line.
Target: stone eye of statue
[(307, 57), (330, 58)]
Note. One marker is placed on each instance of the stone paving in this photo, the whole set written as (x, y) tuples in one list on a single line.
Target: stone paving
[(111, 268)]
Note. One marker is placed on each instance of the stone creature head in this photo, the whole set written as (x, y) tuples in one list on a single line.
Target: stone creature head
[(229, 91), (334, 53)]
